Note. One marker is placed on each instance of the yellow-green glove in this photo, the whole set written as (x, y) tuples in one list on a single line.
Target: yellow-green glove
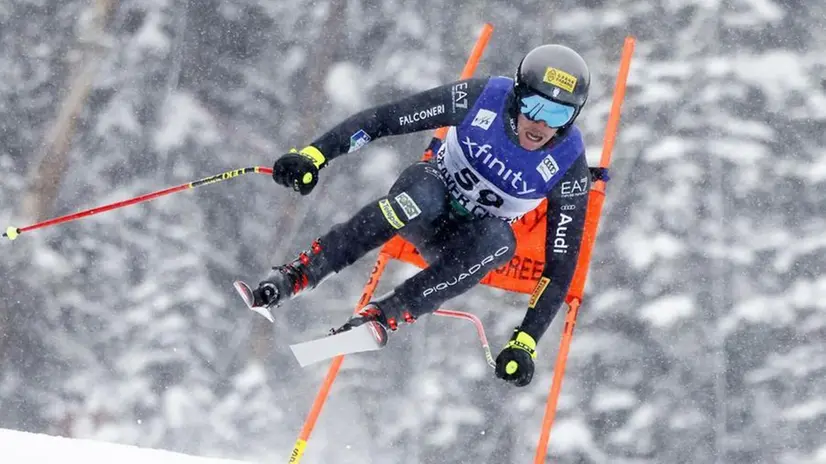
[(515, 362), (299, 169)]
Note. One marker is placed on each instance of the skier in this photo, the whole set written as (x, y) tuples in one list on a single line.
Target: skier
[(511, 144)]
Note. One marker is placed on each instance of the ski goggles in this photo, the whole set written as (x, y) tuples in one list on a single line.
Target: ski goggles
[(540, 109)]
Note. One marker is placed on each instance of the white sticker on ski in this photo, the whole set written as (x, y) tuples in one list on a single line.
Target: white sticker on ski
[(366, 337)]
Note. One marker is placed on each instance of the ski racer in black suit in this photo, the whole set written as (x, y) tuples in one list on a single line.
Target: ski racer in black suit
[(511, 144)]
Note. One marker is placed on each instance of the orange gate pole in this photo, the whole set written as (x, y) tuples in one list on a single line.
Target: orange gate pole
[(372, 283), (574, 299)]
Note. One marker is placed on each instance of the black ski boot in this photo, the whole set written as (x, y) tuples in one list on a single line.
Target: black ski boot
[(286, 281), (383, 311)]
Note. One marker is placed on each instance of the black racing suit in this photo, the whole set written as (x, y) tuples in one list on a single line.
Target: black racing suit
[(459, 250)]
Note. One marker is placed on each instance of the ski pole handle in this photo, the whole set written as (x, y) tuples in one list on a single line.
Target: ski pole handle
[(13, 232)]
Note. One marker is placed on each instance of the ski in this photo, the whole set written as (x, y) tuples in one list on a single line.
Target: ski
[(370, 336), (249, 299), (349, 339)]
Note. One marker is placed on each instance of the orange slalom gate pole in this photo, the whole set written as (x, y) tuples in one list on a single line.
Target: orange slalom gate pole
[(372, 283), (574, 299), (324, 391)]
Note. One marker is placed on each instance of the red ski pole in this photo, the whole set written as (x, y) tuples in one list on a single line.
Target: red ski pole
[(12, 232)]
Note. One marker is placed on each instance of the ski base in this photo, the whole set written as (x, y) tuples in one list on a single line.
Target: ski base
[(249, 299), (370, 336)]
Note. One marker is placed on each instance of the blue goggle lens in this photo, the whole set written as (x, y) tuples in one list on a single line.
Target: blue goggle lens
[(538, 108)]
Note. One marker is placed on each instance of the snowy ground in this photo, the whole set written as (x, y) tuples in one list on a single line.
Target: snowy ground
[(20, 447)]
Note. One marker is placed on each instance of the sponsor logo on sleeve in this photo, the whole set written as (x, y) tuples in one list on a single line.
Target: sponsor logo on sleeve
[(538, 291), (548, 168), (484, 118), (390, 214), (574, 188), (459, 96), (421, 115), (410, 208), (358, 140), (561, 234)]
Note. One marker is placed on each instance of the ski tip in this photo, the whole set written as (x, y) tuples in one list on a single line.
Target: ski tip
[(379, 333), (245, 292)]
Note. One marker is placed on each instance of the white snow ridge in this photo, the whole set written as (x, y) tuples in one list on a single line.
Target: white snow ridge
[(31, 448)]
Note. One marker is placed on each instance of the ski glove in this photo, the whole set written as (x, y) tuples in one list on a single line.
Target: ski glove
[(515, 362), (299, 169)]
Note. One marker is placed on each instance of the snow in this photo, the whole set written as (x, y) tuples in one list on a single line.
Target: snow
[(819, 457), (581, 18), (613, 399), (746, 128), (30, 448), (686, 420), (385, 163), (121, 116), (761, 11), (415, 70), (770, 310), (803, 292), (642, 248), (816, 170), (668, 148), (640, 420), (778, 73), (738, 150), (658, 93), (667, 311), (570, 435), (807, 410), (797, 363), (184, 117), (48, 259), (344, 86), (151, 35), (612, 299), (779, 310), (794, 249)]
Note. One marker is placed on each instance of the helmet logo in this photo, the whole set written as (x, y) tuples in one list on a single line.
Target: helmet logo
[(560, 79)]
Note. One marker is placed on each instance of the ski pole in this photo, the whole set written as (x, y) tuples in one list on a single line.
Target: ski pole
[(13, 232), (480, 330), (574, 298)]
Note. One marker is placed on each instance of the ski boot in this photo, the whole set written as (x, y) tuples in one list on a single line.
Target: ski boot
[(286, 281), (388, 317)]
